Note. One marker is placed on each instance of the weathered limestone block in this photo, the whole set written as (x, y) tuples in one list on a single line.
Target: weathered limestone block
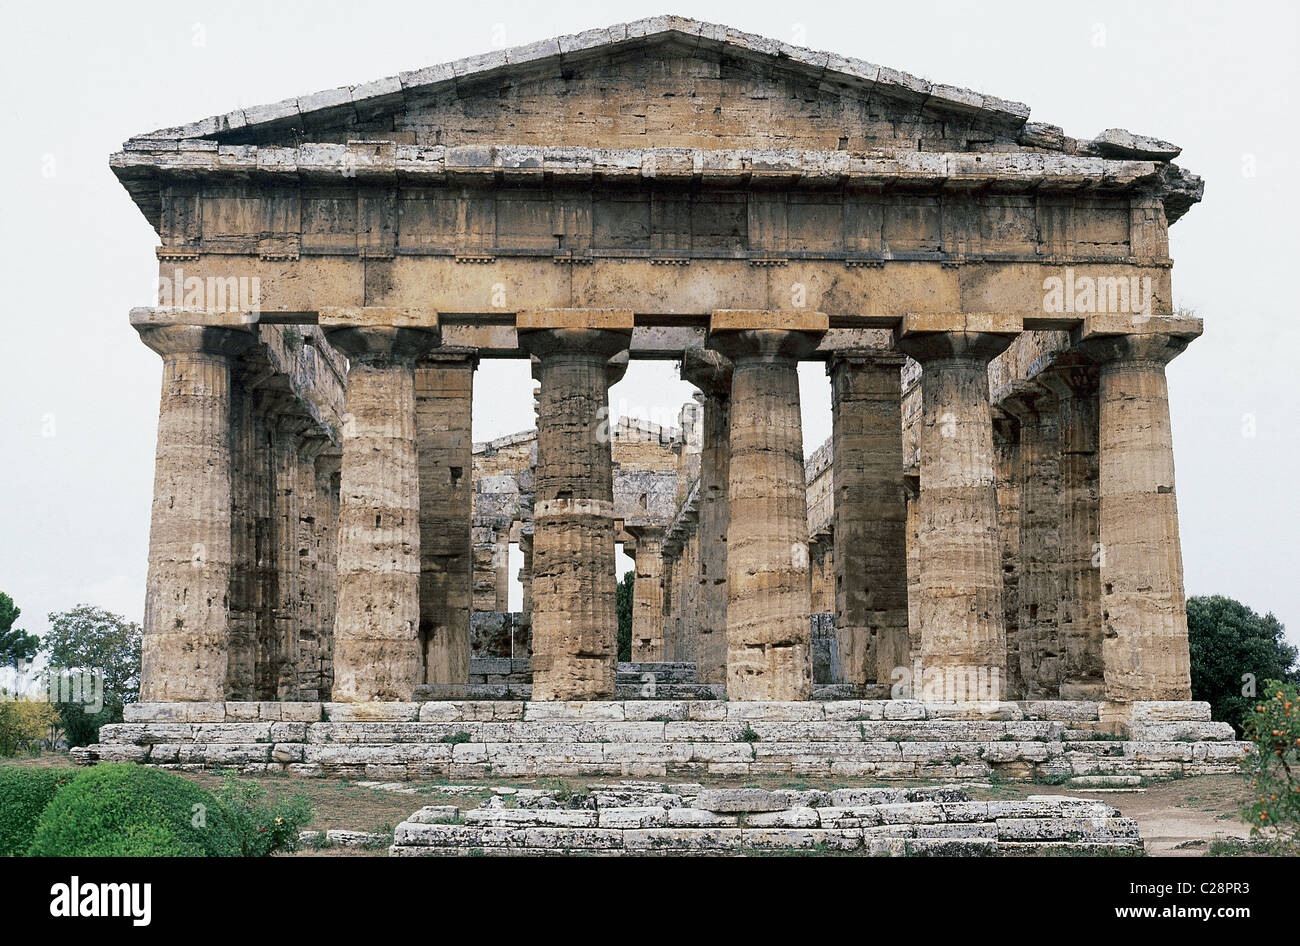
[(1144, 651), (377, 652), (1079, 609), (768, 595), (574, 618), (444, 386), (186, 635), (961, 616), (870, 533), (710, 371), (1038, 586)]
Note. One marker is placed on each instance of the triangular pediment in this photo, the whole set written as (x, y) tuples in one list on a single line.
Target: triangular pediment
[(661, 82)]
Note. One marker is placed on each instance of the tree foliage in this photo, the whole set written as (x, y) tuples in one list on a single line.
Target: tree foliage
[(1232, 649), (16, 645), (87, 638), (625, 615)]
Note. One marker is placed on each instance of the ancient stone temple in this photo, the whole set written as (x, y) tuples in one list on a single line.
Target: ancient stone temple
[(994, 517)]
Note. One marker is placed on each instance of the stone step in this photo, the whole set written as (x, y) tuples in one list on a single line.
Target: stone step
[(932, 820)]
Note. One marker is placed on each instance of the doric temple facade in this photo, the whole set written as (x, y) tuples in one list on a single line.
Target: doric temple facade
[(991, 300)]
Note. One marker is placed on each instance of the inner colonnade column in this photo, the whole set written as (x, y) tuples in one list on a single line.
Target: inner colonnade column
[(574, 613)]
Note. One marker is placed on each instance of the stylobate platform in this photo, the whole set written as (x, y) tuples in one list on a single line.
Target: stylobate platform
[(1080, 743)]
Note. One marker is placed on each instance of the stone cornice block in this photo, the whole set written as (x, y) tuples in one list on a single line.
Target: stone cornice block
[(992, 322), (1115, 324), (611, 319), (744, 320), (175, 315), (362, 316)]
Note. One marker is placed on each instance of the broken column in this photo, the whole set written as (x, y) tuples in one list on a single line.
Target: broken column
[(444, 388), (768, 600), (963, 637), (870, 533), (710, 371), (1079, 612), (575, 622), (377, 652), (184, 650), (1038, 474), (1144, 611)]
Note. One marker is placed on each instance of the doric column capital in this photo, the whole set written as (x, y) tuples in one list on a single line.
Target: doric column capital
[(1155, 349), (1070, 375), (1025, 400), (850, 358), (708, 370), (605, 332), (768, 335), (171, 341), (928, 347), (383, 344), (448, 356)]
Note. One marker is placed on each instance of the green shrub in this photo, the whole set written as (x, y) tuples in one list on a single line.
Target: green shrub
[(262, 828), (1273, 724), (125, 810), (24, 793)]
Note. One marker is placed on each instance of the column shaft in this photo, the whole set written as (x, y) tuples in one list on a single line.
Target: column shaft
[(184, 654), (1144, 611), (711, 373), (870, 534), (444, 385), (575, 620), (648, 597), (963, 637), (1079, 617), (769, 653), (377, 654)]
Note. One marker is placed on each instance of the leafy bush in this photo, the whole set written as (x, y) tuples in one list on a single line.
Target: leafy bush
[(262, 828), (125, 810), (24, 793), (1231, 647), (1273, 724), (23, 724)]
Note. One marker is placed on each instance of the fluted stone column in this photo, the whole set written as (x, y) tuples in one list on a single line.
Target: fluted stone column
[(1006, 446), (648, 594), (870, 533), (377, 654), (1144, 651), (1038, 588), (1079, 615), (328, 468), (184, 651), (963, 637), (768, 601), (289, 429), (310, 631), (444, 390), (710, 371), (575, 621), (241, 665)]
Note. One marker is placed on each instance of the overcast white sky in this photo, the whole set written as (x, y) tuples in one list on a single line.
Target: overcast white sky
[(79, 393)]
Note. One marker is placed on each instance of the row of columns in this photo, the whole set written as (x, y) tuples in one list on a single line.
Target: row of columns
[(403, 543)]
